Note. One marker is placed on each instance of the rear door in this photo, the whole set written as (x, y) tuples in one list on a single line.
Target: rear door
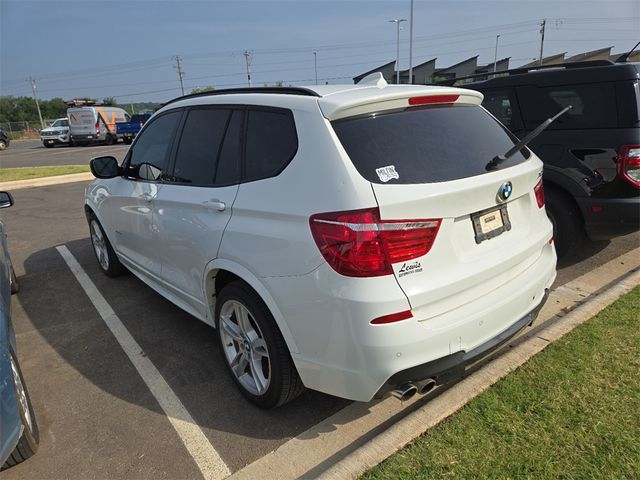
[(194, 206), (429, 163), (82, 121)]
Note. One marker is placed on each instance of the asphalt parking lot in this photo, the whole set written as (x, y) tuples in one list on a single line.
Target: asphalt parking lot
[(97, 417), (31, 153)]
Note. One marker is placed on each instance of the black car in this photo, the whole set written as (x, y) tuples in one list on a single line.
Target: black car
[(4, 139), (591, 154)]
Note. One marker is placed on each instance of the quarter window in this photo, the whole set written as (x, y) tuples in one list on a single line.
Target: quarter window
[(500, 105), (271, 143), (149, 156), (594, 106)]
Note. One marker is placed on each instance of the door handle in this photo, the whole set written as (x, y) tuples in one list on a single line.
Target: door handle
[(215, 204)]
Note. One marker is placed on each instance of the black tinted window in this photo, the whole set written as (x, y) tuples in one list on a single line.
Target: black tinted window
[(149, 157), (271, 143), (435, 144), (200, 145), (593, 106)]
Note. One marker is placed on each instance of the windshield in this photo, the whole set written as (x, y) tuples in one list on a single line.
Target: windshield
[(425, 145), (63, 122)]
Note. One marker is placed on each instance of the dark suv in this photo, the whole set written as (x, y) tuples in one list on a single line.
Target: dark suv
[(591, 154)]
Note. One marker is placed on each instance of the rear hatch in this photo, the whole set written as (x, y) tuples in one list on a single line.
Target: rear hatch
[(427, 168), (82, 121)]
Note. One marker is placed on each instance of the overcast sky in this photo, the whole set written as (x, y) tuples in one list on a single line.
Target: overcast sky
[(127, 49)]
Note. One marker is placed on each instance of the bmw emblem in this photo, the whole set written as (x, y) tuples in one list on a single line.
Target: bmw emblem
[(505, 192)]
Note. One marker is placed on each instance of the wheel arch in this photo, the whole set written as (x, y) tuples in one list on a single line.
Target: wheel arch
[(220, 272)]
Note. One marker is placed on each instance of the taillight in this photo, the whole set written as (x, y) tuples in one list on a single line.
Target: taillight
[(97, 127), (629, 163), (539, 191), (358, 244)]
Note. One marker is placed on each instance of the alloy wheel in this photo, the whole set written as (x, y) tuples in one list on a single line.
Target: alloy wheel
[(244, 347)]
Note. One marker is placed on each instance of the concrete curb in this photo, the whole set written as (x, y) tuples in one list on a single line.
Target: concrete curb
[(441, 407), (46, 181)]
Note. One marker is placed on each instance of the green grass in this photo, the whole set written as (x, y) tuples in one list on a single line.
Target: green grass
[(572, 411), (25, 173)]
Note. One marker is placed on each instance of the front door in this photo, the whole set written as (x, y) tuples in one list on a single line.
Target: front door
[(133, 195)]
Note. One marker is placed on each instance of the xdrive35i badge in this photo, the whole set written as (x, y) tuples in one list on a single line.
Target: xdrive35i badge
[(504, 193)]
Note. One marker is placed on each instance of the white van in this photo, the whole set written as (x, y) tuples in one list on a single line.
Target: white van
[(95, 124)]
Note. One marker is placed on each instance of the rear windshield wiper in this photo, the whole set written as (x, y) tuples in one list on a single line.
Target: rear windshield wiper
[(498, 159)]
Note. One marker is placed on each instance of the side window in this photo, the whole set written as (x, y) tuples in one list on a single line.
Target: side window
[(228, 169), (149, 156), (271, 143), (499, 103), (200, 145), (594, 106)]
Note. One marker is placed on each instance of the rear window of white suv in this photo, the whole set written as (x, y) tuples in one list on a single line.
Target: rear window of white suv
[(425, 144)]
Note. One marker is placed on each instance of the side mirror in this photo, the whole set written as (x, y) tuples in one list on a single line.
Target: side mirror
[(105, 167), (6, 200)]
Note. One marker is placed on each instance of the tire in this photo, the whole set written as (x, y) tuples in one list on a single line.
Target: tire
[(47, 145), (3, 145), (127, 140), (13, 281), (566, 220), (264, 371), (109, 140), (28, 442), (71, 143), (106, 257)]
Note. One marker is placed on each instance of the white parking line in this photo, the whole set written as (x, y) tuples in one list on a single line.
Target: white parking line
[(206, 457)]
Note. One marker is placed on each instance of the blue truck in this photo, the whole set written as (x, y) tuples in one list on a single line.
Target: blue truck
[(128, 130)]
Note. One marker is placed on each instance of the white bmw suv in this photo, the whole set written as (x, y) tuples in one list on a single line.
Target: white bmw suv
[(351, 239)]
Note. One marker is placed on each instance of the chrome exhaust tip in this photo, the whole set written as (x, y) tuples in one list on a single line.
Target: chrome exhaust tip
[(405, 392), (426, 386)]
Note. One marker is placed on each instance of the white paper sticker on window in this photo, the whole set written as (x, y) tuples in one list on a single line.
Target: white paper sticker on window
[(387, 173)]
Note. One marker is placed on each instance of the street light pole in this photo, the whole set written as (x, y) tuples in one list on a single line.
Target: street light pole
[(315, 64), (397, 22), (495, 56), (35, 97)]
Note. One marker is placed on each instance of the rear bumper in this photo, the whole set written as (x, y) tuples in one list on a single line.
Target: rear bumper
[(609, 218), (87, 138), (342, 354), (452, 367)]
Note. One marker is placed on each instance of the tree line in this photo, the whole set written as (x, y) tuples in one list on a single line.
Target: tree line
[(23, 109)]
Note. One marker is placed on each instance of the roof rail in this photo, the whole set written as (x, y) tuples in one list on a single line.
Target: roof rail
[(521, 70), (229, 91)]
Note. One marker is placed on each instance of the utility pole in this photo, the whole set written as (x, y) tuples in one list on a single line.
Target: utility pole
[(180, 73), (397, 22), (247, 59), (542, 25), (35, 97), (315, 64), (495, 55), (411, 44)]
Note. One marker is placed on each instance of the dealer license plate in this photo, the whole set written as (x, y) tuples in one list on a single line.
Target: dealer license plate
[(490, 223)]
